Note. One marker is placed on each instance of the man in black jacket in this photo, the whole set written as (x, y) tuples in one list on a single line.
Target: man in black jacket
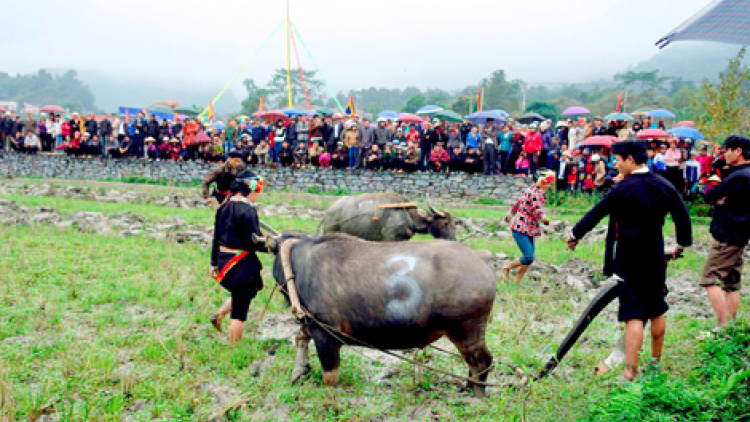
[(234, 263), (637, 207), (730, 228)]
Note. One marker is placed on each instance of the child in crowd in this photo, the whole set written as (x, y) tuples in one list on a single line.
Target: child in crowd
[(324, 161), (439, 158), (458, 160), (175, 148), (588, 185), (151, 151), (286, 155), (340, 156), (263, 153), (412, 159), (300, 155), (397, 164), (522, 165), (388, 154), (573, 178), (314, 154), (471, 160)]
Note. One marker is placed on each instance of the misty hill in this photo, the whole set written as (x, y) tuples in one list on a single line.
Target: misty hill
[(690, 60), (112, 92)]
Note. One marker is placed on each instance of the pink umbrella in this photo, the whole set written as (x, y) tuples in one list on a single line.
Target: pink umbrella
[(410, 118), (689, 123), (653, 134), (575, 111), (604, 141), (201, 137), (272, 115), (2, 110), (53, 109)]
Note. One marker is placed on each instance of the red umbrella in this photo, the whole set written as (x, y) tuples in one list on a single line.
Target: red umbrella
[(689, 123), (653, 134), (410, 118), (53, 109), (2, 110), (603, 141), (201, 137), (272, 115)]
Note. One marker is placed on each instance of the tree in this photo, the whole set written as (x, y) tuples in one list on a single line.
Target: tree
[(254, 92), (546, 109), (500, 93), (462, 105), (643, 80), (45, 88), (725, 106), (277, 87), (414, 103)]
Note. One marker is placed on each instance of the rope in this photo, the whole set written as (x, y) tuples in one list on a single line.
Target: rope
[(299, 66), (325, 81)]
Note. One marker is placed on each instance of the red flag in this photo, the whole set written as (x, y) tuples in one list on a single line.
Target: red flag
[(619, 103), (479, 100), (261, 106)]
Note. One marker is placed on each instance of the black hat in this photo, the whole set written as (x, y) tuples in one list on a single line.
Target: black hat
[(629, 147), (235, 154)]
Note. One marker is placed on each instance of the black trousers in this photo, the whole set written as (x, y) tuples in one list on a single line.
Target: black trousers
[(490, 158)]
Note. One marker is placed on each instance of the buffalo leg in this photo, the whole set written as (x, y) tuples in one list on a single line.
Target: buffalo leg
[(302, 360), (474, 350), (329, 354)]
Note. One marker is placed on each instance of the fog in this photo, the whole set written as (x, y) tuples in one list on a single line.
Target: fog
[(360, 43)]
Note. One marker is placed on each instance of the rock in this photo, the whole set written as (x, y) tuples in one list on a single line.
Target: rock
[(575, 282), (18, 340), (259, 366)]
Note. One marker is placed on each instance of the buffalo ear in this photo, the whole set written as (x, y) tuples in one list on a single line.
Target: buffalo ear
[(428, 216)]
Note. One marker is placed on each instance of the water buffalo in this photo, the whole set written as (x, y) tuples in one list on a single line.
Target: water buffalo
[(389, 295), (386, 217)]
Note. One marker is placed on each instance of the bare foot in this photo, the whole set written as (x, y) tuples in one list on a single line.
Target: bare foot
[(216, 322), (601, 369), (505, 273)]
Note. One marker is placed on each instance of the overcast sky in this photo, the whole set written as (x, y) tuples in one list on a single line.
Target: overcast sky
[(357, 43)]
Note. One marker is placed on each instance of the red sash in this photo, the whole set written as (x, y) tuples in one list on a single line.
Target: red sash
[(232, 262)]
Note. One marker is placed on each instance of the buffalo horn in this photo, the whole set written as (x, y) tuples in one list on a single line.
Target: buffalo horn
[(432, 208), (269, 229)]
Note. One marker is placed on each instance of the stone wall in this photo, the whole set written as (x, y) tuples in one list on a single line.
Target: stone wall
[(456, 187)]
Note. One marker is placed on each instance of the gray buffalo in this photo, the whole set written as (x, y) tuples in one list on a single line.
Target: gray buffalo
[(389, 295), (386, 217)]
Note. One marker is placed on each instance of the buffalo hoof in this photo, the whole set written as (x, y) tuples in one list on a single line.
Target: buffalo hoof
[(300, 372)]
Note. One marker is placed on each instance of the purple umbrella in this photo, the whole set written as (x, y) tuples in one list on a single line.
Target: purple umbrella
[(575, 111)]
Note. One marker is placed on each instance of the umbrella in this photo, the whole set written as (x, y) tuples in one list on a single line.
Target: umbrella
[(188, 110), (410, 118), (161, 109), (388, 114), (52, 109), (531, 117), (272, 115), (448, 115), (293, 112), (575, 111), (482, 117), (429, 109), (618, 117), (326, 111), (2, 110), (660, 112), (604, 141), (689, 123), (501, 112), (653, 134), (219, 125), (641, 112), (201, 137), (686, 132)]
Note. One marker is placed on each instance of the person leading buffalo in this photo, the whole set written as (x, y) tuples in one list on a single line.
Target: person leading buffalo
[(223, 176), (234, 263), (526, 214), (637, 207)]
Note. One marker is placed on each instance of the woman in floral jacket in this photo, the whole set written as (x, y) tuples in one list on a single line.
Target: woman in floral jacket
[(526, 214)]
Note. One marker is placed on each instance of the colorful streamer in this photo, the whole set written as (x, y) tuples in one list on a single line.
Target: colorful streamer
[(288, 61), (330, 91), (301, 76), (242, 70)]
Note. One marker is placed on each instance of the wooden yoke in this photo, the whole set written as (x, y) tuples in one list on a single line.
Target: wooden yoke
[(403, 205), (291, 287)]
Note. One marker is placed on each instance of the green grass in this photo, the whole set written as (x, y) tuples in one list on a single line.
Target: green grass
[(112, 322)]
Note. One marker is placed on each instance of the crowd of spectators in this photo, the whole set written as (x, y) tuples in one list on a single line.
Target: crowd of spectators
[(509, 148)]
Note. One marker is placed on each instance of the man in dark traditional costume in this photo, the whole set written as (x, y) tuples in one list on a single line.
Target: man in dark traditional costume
[(223, 176), (637, 207), (234, 263)]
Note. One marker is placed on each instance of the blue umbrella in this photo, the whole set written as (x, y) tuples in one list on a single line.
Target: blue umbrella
[(293, 112), (660, 112), (481, 117), (686, 132), (501, 112), (219, 125), (388, 114), (429, 109)]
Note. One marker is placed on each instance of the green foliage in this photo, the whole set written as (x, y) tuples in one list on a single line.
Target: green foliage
[(43, 88), (462, 105), (254, 93), (501, 93), (546, 109), (717, 389), (488, 200), (414, 103), (725, 105)]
